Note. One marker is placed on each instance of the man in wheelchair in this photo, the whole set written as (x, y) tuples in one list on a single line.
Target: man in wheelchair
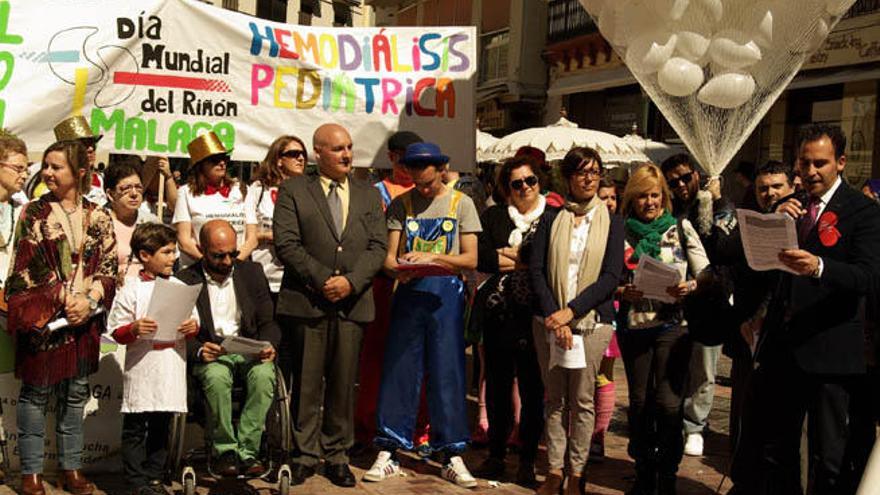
[(234, 301)]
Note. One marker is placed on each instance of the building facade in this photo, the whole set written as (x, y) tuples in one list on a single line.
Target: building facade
[(512, 77), (344, 13)]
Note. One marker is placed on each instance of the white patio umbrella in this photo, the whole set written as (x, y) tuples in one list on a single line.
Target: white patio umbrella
[(485, 141), (557, 139)]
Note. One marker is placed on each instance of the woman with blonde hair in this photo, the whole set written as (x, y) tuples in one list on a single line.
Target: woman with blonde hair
[(574, 265), (653, 334)]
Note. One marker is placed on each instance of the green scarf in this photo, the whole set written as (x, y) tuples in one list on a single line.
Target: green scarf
[(649, 234)]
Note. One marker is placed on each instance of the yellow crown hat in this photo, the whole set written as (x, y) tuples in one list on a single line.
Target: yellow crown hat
[(74, 128), (204, 146)]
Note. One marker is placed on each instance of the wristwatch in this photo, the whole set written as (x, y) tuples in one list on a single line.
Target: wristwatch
[(93, 303)]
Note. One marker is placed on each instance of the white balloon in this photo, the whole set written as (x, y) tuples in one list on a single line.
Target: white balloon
[(837, 7), (817, 37), (727, 91), (680, 77), (764, 34), (692, 46), (733, 50), (649, 52)]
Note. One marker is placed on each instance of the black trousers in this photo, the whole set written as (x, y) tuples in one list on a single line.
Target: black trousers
[(145, 446), (656, 362), (509, 351), (322, 356), (840, 431)]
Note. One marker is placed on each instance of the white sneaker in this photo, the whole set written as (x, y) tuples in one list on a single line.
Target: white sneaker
[(693, 446), (458, 473), (383, 468)]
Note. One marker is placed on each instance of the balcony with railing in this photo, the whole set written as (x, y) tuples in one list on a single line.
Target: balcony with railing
[(863, 7), (568, 19)]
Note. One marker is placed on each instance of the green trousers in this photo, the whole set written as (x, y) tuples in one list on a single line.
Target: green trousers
[(216, 379)]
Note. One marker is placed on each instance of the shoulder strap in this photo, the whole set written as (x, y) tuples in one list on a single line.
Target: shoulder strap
[(407, 203), (683, 241), (453, 203)]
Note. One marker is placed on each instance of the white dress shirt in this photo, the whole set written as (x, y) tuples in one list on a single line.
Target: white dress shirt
[(224, 306)]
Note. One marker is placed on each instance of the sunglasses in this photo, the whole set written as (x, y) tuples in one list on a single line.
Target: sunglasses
[(222, 256), (295, 154), (217, 159), (518, 184), (684, 179)]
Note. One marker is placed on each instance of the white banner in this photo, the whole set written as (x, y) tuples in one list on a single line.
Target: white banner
[(151, 75)]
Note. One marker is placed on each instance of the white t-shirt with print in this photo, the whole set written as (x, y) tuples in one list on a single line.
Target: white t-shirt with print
[(199, 210), (259, 207)]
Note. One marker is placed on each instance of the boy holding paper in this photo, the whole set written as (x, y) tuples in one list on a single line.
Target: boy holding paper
[(154, 382)]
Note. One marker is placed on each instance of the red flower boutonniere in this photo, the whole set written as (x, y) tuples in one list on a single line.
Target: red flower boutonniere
[(828, 233), (627, 258), (274, 196)]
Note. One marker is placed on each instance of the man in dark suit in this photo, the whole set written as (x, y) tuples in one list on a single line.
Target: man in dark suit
[(811, 352), (234, 301), (330, 235)]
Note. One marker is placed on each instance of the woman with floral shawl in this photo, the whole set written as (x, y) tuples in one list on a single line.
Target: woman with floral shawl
[(64, 267)]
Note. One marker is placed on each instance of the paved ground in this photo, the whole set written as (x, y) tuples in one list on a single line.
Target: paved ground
[(698, 476)]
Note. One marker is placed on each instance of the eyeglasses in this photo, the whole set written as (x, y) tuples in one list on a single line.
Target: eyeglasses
[(590, 173), (518, 184), (21, 170), (129, 188), (295, 154), (222, 256), (685, 179)]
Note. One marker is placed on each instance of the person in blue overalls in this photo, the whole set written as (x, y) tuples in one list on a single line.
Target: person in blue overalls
[(438, 225)]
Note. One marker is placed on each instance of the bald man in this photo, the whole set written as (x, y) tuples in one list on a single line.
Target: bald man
[(234, 301), (330, 235)]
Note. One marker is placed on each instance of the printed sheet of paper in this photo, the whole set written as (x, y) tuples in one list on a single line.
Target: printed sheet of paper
[(171, 304), (249, 348), (571, 359), (653, 277), (764, 236)]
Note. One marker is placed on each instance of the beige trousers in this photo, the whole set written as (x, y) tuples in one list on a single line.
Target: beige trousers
[(572, 391)]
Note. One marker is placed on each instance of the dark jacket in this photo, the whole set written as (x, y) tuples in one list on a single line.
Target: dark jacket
[(307, 244), (254, 302), (599, 295), (818, 321)]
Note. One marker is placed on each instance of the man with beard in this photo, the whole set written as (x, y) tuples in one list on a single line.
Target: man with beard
[(234, 301), (714, 219)]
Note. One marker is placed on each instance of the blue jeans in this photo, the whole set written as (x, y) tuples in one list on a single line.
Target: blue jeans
[(71, 395)]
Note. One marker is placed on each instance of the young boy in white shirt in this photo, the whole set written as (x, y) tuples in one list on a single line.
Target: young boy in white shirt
[(154, 381)]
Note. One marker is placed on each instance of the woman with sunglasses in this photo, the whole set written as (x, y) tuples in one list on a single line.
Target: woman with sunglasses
[(505, 306), (210, 194), (653, 334), (64, 267), (575, 266), (287, 157), (125, 193)]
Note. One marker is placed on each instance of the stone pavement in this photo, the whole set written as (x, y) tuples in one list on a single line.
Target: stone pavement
[(613, 476)]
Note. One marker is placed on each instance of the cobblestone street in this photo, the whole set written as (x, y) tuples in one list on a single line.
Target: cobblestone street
[(697, 476)]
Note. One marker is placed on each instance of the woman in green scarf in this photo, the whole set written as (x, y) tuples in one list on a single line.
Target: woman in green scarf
[(653, 337)]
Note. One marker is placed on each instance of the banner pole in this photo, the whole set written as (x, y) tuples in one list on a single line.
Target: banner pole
[(160, 207)]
